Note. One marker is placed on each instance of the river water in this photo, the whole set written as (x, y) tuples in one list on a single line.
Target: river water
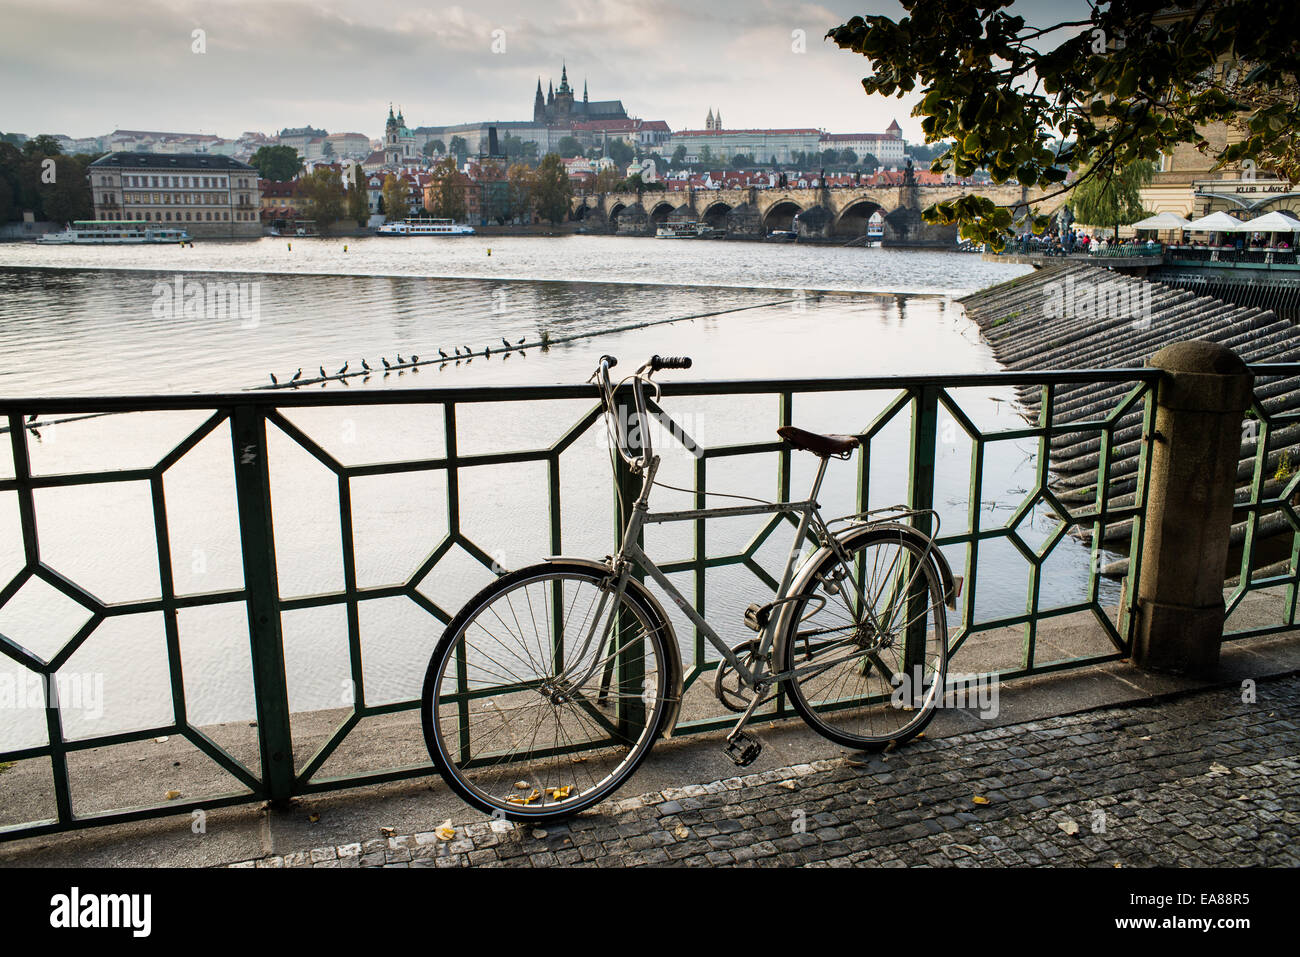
[(93, 321)]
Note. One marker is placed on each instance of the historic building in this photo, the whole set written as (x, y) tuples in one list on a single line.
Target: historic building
[(210, 196), (561, 108), (888, 147), (400, 148)]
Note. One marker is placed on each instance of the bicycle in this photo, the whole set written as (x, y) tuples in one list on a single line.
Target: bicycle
[(550, 686)]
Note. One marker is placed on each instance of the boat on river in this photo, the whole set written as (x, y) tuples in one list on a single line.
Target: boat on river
[(425, 227), (115, 232)]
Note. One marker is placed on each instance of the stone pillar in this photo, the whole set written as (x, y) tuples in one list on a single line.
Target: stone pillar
[(1200, 404)]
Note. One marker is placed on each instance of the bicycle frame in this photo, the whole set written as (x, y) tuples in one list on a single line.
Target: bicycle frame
[(631, 554)]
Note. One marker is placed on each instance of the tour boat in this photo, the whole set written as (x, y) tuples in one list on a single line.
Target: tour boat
[(692, 230), (100, 232), (425, 227)]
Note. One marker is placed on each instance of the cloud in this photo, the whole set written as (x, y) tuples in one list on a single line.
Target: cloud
[(82, 67)]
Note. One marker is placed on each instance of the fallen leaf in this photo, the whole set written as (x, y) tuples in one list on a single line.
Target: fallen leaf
[(446, 832), (526, 799), (387, 831), (980, 799), (539, 834), (559, 794), (578, 759), (173, 795), (313, 817), (521, 785), (1117, 864), (1216, 770), (1069, 827), (682, 832), (788, 784)]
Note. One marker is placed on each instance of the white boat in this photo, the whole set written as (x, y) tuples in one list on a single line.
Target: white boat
[(691, 230), (115, 232), (425, 227)]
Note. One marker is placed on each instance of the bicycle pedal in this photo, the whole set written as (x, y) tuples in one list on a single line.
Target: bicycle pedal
[(743, 749)]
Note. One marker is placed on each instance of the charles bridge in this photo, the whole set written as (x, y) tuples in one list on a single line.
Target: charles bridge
[(825, 213)]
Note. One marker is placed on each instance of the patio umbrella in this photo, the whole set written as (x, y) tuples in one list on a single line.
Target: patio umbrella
[(1274, 222), (1217, 223), (1162, 221)]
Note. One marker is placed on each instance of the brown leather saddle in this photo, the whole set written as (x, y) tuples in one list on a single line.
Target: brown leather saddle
[(817, 444)]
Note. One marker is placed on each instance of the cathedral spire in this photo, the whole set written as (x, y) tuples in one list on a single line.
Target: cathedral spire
[(584, 89)]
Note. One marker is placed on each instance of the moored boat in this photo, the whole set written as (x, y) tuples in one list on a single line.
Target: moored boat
[(425, 227), (115, 232)]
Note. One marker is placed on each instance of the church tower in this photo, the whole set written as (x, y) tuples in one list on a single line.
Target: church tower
[(539, 104), (392, 149)]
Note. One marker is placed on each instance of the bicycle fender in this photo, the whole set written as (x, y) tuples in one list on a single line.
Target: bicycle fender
[(945, 571), (674, 663)]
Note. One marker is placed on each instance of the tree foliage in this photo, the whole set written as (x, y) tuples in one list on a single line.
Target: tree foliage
[(326, 201), (396, 196), (41, 178), (552, 189), (279, 163), (1112, 200), (520, 179), (1125, 82), (448, 192), (358, 200)]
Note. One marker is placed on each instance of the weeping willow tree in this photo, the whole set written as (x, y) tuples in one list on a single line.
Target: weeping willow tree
[(1112, 197)]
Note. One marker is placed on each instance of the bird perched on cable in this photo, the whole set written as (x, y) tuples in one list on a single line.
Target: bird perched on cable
[(443, 354), (322, 373), (504, 342), (32, 417), (414, 358), (400, 360), (385, 362), (469, 351), (364, 365), (343, 370), (521, 341), (274, 380), (487, 351), (297, 375)]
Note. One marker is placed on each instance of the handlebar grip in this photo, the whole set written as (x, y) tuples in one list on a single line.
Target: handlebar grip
[(670, 362), (610, 359)]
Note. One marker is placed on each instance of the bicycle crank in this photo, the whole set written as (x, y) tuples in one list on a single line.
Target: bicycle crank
[(728, 686)]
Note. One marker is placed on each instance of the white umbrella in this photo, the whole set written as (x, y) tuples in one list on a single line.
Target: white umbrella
[(1274, 222), (1217, 223), (1162, 221)]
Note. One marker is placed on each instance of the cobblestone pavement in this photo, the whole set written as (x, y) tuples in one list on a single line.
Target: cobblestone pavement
[(1201, 780)]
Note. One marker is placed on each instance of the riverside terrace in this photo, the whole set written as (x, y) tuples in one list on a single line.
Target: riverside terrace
[(1170, 613)]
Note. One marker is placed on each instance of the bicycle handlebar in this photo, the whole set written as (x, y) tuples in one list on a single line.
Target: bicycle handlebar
[(669, 362)]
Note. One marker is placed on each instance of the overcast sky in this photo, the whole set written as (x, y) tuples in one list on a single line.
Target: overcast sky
[(86, 67)]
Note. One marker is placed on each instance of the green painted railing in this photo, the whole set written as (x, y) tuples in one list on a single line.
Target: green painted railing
[(1269, 507), (921, 402)]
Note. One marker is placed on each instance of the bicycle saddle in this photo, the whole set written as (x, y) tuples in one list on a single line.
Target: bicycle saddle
[(818, 444)]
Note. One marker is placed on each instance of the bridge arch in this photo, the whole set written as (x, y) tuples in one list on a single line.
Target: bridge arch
[(715, 214), (780, 215), (659, 213), (614, 212), (853, 219)]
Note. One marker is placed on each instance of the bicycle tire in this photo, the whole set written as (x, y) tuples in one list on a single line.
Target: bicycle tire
[(491, 782)]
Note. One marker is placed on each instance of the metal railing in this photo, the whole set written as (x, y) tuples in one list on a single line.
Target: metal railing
[(1269, 505), (919, 402)]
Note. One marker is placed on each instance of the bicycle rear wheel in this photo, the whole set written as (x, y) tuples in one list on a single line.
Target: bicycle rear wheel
[(531, 709), (869, 637)]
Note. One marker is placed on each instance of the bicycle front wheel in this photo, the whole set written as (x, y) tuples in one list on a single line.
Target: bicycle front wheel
[(541, 697), (866, 644)]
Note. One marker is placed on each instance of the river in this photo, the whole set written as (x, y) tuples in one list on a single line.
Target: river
[(94, 321)]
